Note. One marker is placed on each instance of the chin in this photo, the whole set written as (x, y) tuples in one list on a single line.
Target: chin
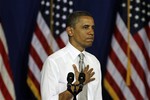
[(89, 45)]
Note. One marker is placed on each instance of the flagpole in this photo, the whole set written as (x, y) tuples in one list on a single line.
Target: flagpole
[(128, 48)]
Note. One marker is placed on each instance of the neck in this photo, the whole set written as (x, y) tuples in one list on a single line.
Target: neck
[(80, 48)]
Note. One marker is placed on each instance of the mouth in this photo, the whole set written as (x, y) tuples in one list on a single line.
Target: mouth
[(90, 39)]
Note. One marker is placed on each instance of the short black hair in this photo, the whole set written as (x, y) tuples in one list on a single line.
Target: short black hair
[(73, 17)]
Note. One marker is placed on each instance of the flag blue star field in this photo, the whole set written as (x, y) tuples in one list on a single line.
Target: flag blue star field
[(130, 45), (45, 41)]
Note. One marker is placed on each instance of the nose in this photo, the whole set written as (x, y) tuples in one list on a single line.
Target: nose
[(91, 31)]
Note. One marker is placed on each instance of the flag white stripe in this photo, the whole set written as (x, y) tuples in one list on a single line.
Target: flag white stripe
[(7, 81), (48, 35), (2, 37), (64, 37), (145, 40), (1, 96), (34, 69), (144, 37), (136, 50), (123, 59), (36, 44), (119, 81)]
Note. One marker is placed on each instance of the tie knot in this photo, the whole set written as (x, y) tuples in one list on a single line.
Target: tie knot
[(81, 56)]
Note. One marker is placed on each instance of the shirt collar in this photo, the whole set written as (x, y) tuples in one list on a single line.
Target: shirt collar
[(74, 52)]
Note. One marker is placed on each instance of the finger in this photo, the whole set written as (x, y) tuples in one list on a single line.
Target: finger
[(75, 71), (75, 68), (92, 79), (90, 70), (92, 74), (86, 68)]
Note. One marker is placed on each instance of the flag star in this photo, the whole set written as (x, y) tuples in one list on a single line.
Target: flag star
[(70, 10), (137, 9), (58, 7), (148, 5), (57, 24), (143, 3), (136, 25), (130, 15), (148, 13), (57, 15), (123, 5), (136, 17), (64, 9), (47, 12), (47, 4), (65, 1), (137, 1), (131, 6), (70, 3), (63, 17), (42, 2), (143, 11), (63, 25), (143, 19), (57, 32)]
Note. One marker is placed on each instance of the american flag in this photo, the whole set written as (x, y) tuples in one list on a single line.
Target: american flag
[(7, 91), (137, 38), (45, 41)]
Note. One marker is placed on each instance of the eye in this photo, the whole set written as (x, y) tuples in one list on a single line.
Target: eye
[(85, 26), (93, 27)]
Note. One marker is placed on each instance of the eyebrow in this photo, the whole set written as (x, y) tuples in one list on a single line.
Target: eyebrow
[(87, 25)]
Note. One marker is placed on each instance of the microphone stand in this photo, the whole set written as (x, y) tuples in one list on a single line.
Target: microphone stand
[(70, 79), (75, 92)]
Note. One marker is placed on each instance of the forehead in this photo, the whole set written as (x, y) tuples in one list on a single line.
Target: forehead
[(85, 20)]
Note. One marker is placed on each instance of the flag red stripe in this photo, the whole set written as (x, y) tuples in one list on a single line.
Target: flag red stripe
[(36, 57), (4, 90), (5, 60), (60, 42), (36, 83), (133, 59), (123, 73), (42, 40), (114, 85), (143, 49)]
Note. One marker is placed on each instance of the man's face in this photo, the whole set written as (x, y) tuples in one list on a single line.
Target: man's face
[(83, 33)]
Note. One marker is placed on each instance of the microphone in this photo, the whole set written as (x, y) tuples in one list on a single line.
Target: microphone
[(81, 79), (70, 78)]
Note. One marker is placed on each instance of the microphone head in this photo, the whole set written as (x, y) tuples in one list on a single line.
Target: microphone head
[(70, 77), (81, 78)]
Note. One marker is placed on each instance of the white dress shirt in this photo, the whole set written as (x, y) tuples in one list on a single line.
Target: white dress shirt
[(59, 64)]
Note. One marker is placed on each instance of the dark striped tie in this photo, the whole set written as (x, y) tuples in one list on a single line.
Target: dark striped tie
[(83, 93)]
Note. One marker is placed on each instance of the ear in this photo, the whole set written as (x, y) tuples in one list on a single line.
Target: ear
[(69, 31)]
